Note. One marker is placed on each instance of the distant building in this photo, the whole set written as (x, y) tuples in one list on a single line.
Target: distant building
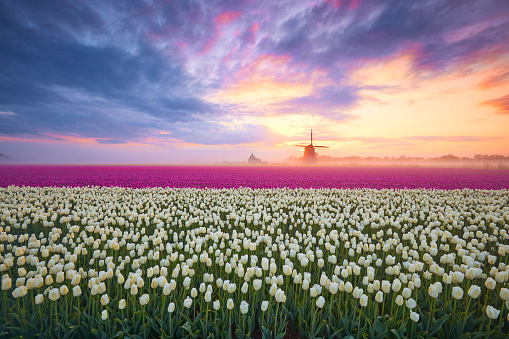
[(254, 160)]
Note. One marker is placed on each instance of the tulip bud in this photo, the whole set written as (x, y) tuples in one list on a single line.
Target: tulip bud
[(229, 303), (244, 288), (171, 308), (504, 294), (64, 290), (410, 303), (39, 299), (490, 283), (105, 300), (320, 302), (457, 292), (386, 286), (54, 294), (364, 300), (414, 316), (144, 299), (399, 300), (244, 307), (432, 291), (265, 305), (474, 291), (492, 312), (76, 291), (280, 296)]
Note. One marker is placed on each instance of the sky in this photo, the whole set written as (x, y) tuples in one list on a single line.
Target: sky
[(195, 81)]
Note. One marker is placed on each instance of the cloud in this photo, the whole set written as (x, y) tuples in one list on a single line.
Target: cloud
[(208, 133), (119, 73), (495, 81), (464, 138), (501, 104)]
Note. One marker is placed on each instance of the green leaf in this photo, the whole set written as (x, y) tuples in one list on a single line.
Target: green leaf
[(266, 332), (187, 327), (396, 333), (437, 324), (379, 327)]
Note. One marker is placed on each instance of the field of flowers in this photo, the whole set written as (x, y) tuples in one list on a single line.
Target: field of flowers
[(185, 262), (253, 176)]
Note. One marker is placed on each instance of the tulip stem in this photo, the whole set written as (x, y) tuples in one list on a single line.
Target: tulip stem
[(432, 309), (144, 322), (359, 324), (484, 307), (5, 303), (230, 324), (206, 320), (162, 307), (466, 316), (79, 313), (452, 318), (275, 321)]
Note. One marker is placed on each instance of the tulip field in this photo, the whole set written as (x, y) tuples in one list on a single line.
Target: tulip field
[(242, 262)]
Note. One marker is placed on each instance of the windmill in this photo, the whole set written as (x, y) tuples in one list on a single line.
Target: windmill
[(310, 155)]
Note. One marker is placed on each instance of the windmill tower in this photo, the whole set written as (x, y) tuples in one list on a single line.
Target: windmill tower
[(310, 155)]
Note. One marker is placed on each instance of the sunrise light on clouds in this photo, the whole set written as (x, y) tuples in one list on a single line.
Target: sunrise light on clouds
[(207, 81)]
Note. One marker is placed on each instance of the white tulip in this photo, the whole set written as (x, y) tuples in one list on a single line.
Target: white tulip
[(414, 316), (39, 299), (144, 299), (229, 303), (244, 307), (363, 300), (76, 291), (492, 312), (105, 300), (171, 307), (457, 292), (411, 303), (188, 302), (265, 305), (54, 294), (320, 302), (504, 294)]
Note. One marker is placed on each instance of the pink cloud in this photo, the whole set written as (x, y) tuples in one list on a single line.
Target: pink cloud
[(335, 3), (254, 28), (495, 81), (501, 104), (220, 21), (472, 30), (227, 17), (352, 4)]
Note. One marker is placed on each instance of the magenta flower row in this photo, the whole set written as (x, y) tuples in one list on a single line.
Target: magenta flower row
[(254, 177)]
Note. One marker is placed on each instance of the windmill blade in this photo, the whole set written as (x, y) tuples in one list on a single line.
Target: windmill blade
[(322, 146), (301, 145)]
